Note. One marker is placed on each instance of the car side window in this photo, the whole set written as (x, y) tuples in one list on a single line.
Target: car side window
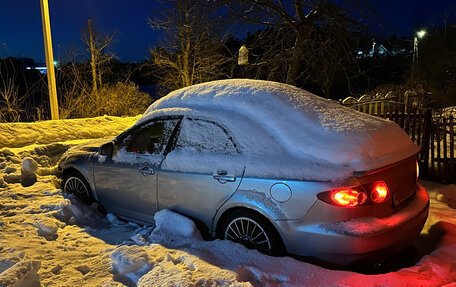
[(150, 138), (204, 136)]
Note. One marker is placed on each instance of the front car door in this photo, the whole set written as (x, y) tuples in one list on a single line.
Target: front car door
[(201, 172), (126, 182)]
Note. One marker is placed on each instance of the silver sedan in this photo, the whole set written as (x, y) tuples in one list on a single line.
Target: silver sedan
[(264, 164)]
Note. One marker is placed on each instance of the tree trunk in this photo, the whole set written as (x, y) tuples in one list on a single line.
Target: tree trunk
[(298, 51), (93, 62)]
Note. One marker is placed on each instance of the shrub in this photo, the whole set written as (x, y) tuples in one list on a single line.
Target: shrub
[(120, 99)]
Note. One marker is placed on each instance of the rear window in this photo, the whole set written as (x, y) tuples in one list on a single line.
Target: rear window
[(205, 137)]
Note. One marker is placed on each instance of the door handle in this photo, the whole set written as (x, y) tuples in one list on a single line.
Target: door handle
[(222, 177), (145, 171)]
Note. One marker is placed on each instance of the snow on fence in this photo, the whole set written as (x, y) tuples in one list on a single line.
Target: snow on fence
[(434, 133)]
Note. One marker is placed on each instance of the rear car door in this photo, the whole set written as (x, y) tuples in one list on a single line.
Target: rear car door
[(126, 183), (201, 172)]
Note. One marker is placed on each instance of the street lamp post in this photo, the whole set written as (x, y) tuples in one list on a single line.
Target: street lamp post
[(416, 40), (49, 59)]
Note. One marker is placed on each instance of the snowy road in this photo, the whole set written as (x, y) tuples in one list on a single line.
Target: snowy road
[(51, 239)]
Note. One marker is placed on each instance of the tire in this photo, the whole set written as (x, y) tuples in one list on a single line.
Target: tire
[(252, 230), (75, 183)]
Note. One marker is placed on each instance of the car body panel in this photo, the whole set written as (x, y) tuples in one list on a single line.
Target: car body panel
[(200, 198), (256, 192), (129, 192)]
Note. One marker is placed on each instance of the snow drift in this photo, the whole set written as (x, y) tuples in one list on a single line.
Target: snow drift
[(14, 135)]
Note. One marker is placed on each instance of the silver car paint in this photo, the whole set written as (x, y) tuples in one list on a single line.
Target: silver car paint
[(193, 194), (131, 192)]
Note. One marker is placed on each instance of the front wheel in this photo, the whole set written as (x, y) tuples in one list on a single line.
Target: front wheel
[(253, 231), (75, 183)]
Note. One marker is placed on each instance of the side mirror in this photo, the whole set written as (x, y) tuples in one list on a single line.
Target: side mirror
[(106, 149)]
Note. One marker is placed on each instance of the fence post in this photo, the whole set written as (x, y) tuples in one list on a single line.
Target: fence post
[(451, 124), (426, 140)]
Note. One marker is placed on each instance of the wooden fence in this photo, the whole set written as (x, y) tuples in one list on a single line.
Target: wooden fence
[(435, 134)]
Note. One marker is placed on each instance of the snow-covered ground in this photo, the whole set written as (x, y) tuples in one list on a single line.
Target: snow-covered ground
[(52, 239)]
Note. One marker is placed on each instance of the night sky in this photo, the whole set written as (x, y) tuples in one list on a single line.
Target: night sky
[(21, 31)]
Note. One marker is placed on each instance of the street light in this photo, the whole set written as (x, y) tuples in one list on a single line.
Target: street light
[(419, 35)]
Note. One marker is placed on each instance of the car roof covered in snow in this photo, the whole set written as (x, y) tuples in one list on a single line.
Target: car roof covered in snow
[(305, 125)]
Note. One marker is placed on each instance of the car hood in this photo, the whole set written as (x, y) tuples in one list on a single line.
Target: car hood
[(87, 148)]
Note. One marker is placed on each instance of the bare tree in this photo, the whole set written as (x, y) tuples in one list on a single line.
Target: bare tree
[(192, 52), (11, 108), (15, 92), (97, 45), (297, 38)]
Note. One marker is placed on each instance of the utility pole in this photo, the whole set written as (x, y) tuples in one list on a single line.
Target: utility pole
[(416, 42), (49, 59)]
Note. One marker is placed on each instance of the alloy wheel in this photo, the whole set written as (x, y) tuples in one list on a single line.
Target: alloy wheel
[(248, 232), (76, 185)]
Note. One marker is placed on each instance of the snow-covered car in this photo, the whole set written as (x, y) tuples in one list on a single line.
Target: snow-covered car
[(265, 164)]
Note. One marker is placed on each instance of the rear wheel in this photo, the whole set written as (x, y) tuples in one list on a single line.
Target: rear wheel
[(252, 230), (74, 182)]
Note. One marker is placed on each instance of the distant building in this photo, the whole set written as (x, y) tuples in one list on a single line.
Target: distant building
[(40, 67), (392, 47)]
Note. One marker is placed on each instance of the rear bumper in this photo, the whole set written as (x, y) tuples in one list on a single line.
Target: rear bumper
[(358, 239)]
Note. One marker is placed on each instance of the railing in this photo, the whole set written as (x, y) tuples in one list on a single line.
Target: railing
[(435, 134)]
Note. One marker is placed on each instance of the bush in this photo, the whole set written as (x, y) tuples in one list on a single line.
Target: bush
[(120, 99)]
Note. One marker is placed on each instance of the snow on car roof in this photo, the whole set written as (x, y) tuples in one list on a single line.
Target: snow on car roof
[(305, 125)]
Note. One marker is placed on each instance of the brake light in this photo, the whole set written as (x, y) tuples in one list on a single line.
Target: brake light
[(379, 192), (348, 197), (417, 170)]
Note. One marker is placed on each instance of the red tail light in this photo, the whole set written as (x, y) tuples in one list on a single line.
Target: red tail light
[(356, 196), (348, 197), (345, 197), (379, 192)]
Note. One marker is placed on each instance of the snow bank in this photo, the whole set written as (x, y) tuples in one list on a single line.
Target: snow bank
[(129, 263), (23, 273), (175, 224), (311, 129), (20, 134)]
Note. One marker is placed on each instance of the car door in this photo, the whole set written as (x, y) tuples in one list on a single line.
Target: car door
[(201, 172), (126, 182)]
